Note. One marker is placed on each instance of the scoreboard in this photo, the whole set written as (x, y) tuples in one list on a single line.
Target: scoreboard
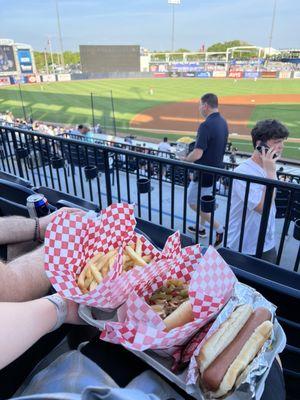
[(106, 58)]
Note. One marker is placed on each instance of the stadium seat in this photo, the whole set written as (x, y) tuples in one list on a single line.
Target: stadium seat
[(14, 192), (59, 199), (261, 268), (159, 234), (12, 178)]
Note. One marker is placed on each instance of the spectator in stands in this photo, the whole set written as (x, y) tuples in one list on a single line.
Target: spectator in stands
[(85, 131), (270, 135), (24, 278), (164, 146), (209, 150), (232, 156)]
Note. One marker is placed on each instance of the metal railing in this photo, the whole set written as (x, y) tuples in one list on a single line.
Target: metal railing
[(103, 174)]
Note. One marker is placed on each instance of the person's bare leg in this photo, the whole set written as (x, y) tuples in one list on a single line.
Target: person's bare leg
[(24, 278), (205, 217)]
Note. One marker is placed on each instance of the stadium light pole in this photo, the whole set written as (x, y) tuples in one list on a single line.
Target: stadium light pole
[(173, 3), (51, 53), (46, 61), (272, 26), (60, 36), (113, 112), (93, 113)]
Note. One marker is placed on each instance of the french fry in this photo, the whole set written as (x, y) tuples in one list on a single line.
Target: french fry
[(81, 277), (96, 258), (147, 258), (88, 281), (93, 285), (96, 273), (138, 247), (105, 271), (105, 258), (137, 259)]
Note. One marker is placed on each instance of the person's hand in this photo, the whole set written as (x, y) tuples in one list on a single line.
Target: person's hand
[(269, 161), (45, 221)]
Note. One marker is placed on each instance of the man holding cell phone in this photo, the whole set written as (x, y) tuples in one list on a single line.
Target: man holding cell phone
[(268, 141)]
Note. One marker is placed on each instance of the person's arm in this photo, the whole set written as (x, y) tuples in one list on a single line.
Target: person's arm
[(269, 165), (200, 145), (195, 155), (18, 229), (22, 324), (24, 278)]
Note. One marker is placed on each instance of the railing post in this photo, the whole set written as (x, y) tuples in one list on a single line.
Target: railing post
[(107, 177), (264, 221), (15, 144)]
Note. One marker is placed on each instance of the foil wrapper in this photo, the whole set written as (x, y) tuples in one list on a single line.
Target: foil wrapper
[(250, 384)]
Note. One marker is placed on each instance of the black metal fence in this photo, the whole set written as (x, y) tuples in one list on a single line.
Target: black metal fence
[(158, 186)]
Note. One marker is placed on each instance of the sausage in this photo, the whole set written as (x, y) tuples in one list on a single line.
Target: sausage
[(214, 374)]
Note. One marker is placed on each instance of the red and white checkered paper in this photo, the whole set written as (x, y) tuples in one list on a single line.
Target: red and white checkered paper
[(71, 240), (210, 286)]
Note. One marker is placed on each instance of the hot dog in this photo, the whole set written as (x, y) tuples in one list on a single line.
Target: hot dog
[(232, 347), (171, 303)]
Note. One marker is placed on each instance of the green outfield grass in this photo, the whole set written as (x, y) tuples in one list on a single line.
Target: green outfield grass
[(289, 114), (70, 102)]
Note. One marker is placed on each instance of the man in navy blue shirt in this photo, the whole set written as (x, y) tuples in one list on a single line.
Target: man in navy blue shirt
[(209, 150)]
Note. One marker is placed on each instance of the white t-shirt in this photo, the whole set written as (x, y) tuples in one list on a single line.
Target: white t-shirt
[(164, 146), (253, 218)]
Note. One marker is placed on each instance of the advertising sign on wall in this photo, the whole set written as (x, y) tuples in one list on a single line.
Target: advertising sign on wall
[(285, 74), (153, 68), (189, 74), (219, 74), (4, 80), (174, 74), (297, 74), (203, 74), (25, 61), (235, 74), (7, 59), (31, 79), (15, 80), (160, 75), (269, 74), (63, 77), (251, 74), (48, 78)]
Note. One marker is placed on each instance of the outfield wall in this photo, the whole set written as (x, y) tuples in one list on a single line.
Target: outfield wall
[(202, 74)]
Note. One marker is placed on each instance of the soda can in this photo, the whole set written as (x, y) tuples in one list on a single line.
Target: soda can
[(37, 205)]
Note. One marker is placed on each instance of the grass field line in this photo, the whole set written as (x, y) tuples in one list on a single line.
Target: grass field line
[(231, 135)]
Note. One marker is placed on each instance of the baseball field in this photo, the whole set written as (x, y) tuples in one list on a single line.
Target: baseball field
[(162, 107)]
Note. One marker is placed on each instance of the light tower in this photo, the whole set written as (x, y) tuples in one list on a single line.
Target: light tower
[(173, 4)]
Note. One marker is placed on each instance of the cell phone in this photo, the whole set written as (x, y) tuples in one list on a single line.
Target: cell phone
[(263, 144)]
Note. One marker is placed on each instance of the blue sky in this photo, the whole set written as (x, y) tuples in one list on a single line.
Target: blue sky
[(148, 22)]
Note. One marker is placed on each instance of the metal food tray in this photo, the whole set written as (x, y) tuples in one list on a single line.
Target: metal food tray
[(163, 364)]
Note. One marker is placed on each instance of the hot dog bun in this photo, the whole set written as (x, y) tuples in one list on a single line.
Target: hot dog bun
[(247, 354), (223, 336), (181, 316), (243, 341)]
